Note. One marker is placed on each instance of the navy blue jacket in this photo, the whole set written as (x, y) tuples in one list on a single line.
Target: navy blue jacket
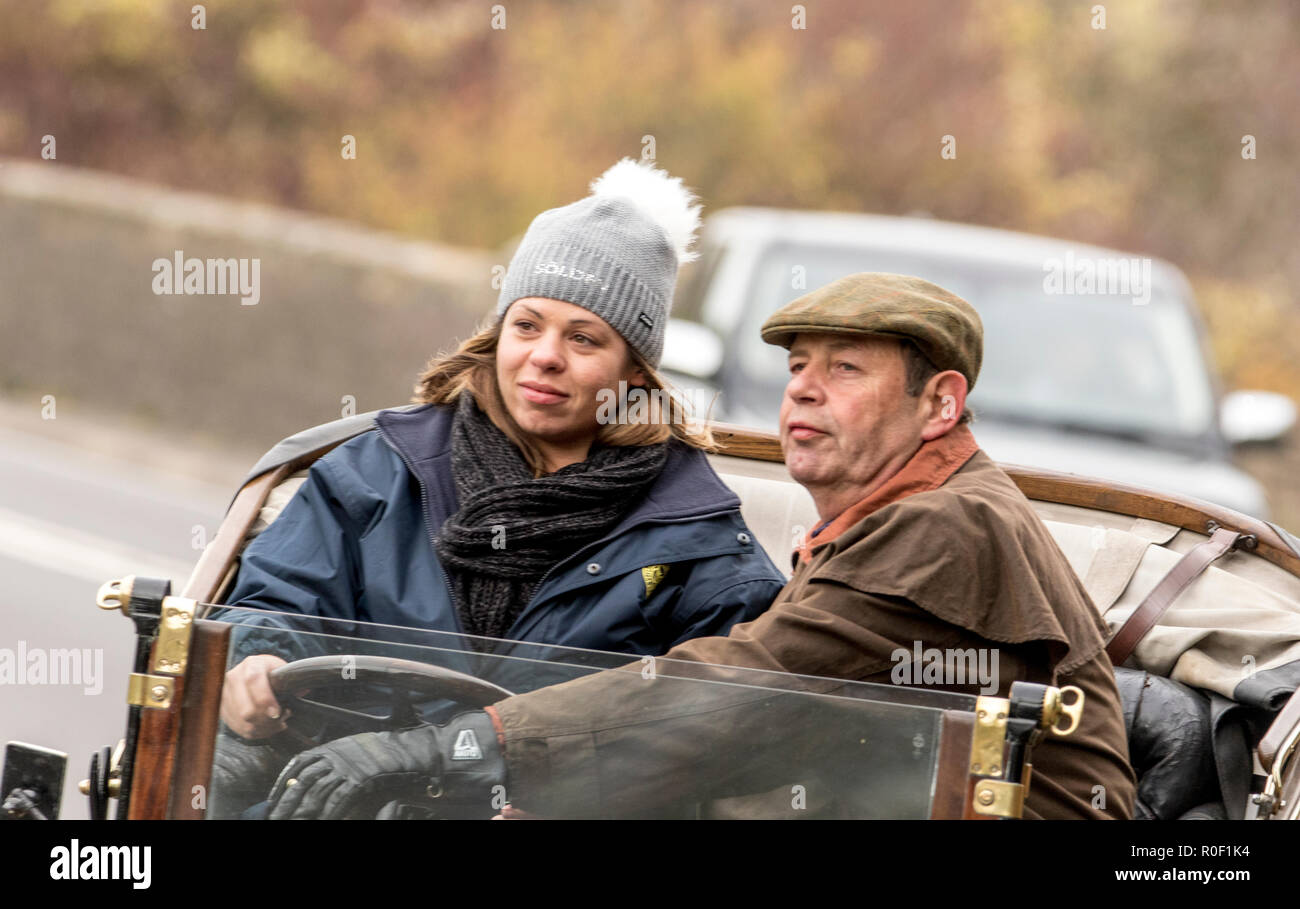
[(355, 543)]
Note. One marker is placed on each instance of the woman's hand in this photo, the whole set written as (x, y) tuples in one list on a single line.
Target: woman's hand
[(248, 706)]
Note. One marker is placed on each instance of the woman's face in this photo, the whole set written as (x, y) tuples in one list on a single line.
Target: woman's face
[(553, 359)]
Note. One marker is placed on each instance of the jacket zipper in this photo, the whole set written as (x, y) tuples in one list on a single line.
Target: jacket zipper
[(424, 499)]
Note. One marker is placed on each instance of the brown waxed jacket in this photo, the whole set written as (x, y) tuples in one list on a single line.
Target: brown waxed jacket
[(947, 554)]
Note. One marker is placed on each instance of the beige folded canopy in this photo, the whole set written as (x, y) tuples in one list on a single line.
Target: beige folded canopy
[(1239, 618)]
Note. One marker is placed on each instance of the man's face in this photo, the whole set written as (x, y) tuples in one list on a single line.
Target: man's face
[(847, 422)]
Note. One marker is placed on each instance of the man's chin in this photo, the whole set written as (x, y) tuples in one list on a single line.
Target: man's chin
[(803, 470), (807, 450)]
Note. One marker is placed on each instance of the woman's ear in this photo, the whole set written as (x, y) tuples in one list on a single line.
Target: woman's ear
[(636, 378)]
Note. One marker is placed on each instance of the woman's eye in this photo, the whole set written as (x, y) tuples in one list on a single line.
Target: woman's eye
[(583, 339), (524, 325)]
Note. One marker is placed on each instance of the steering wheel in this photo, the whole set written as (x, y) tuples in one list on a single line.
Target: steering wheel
[(388, 681)]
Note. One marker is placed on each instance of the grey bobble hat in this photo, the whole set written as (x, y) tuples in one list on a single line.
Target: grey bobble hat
[(615, 253)]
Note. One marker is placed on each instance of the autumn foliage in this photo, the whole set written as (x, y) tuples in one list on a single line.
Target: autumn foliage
[(1129, 135)]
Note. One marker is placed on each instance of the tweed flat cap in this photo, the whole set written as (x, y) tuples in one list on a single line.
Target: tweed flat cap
[(943, 326)]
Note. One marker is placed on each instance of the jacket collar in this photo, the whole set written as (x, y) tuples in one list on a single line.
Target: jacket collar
[(686, 488), (934, 462), (421, 434)]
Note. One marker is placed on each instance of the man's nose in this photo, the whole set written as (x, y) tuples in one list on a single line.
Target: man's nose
[(805, 386)]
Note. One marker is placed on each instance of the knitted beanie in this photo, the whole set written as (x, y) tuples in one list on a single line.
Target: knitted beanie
[(615, 253)]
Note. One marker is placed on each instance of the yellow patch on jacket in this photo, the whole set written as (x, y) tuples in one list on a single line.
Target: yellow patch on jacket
[(652, 575)]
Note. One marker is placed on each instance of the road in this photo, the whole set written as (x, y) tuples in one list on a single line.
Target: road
[(80, 504)]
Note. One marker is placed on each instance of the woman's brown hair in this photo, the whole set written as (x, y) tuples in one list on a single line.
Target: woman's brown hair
[(472, 367)]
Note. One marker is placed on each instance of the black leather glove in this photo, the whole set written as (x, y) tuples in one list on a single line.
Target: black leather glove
[(450, 771), (243, 772)]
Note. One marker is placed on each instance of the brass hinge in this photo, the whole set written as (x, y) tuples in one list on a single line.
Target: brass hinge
[(999, 798), (149, 690), (990, 736), (993, 797), (172, 650)]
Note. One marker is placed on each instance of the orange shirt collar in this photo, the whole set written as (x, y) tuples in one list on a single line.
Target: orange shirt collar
[(934, 462)]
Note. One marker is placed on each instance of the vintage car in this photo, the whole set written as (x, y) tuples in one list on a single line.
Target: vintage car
[(1204, 603)]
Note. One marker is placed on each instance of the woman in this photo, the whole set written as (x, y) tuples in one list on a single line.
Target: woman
[(509, 505)]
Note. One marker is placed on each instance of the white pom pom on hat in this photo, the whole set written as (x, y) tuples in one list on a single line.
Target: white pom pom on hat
[(660, 197)]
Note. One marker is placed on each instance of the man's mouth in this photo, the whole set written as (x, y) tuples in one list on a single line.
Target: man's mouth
[(797, 430), (541, 393)]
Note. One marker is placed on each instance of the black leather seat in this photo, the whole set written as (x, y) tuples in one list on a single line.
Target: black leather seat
[(1170, 748)]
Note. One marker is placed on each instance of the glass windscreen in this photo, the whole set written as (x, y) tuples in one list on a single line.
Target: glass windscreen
[(1093, 360), (655, 738)]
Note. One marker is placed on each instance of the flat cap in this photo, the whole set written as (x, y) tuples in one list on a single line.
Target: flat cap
[(943, 326)]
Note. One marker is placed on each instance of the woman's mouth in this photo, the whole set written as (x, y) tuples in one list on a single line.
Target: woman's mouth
[(541, 393)]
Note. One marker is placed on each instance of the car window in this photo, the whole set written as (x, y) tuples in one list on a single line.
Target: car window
[(1096, 360)]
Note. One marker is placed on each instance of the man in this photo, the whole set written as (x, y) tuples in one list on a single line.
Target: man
[(923, 541)]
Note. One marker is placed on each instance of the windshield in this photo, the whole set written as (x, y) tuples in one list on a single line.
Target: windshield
[(861, 750), (1095, 361)]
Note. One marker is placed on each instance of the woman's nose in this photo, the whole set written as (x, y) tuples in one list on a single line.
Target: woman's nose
[(547, 352)]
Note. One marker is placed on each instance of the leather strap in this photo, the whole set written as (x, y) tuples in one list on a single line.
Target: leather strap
[(1283, 723), (1148, 613)]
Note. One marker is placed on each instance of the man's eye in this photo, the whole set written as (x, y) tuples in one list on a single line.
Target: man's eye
[(795, 367), (846, 367)]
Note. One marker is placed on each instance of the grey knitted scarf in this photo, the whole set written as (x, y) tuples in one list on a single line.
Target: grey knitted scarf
[(511, 527)]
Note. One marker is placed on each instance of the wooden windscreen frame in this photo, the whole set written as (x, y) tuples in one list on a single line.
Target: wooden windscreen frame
[(172, 756), (201, 709), (954, 790), (174, 745)]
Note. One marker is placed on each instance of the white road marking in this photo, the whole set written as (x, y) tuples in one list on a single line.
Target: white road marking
[(81, 555)]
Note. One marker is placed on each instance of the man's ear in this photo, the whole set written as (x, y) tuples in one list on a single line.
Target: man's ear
[(945, 399)]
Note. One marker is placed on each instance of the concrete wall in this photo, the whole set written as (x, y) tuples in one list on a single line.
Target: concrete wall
[(343, 310)]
